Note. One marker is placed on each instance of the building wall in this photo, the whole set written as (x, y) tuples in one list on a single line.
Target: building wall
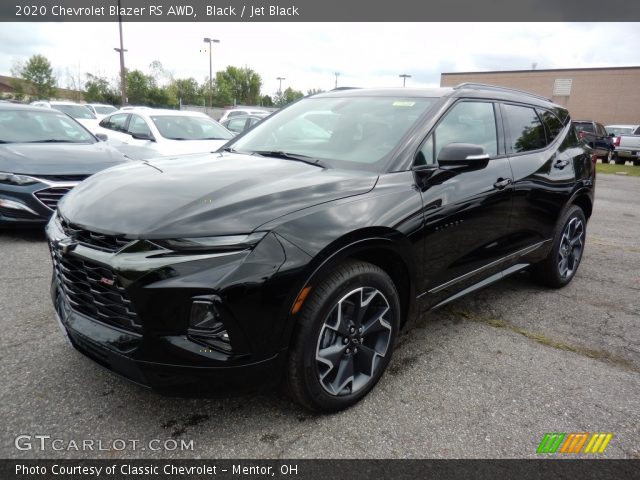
[(607, 95)]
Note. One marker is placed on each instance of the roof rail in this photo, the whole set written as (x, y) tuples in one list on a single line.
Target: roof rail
[(497, 87)]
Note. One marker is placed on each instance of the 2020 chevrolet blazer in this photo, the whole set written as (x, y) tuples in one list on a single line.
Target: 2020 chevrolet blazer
[(301, 248)]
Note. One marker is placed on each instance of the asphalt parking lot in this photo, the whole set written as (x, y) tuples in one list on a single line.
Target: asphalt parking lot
[(485, 377)]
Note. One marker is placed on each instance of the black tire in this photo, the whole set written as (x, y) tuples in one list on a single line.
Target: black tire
[(636, 162), (562, 263), (320, 339), (618, 160)]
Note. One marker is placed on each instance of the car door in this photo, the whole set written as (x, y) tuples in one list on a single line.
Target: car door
[(466, 210), (544, 153)]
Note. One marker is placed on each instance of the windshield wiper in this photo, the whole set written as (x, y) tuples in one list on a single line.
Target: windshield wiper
[(291, 156), (51, 140)]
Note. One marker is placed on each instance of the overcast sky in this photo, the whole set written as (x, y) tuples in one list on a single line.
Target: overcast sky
[(308, 54)]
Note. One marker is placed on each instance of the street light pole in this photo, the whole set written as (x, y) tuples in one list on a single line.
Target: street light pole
[(121, 50), (404, 77), (337, 74), (280, 85), (211, 41)]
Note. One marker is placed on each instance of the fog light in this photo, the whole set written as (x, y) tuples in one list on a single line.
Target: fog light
[(206, 326)]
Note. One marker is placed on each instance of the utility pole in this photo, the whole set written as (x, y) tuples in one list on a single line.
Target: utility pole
[(211, 41), (121, 50), (280, 84), (337, 74), (404, 77)]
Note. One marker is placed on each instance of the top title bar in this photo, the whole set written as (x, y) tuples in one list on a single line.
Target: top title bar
[(317, 10)]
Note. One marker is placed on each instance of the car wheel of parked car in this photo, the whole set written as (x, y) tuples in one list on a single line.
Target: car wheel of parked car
[(618, 160), (344, 338), (608, 158), (636, 162), (563, 260)]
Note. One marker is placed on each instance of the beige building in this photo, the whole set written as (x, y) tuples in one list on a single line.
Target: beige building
[(606, 95)]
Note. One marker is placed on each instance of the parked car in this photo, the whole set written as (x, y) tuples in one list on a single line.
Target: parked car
[(148, 133), (234, 112), (101, 110), (595, 135), (43, 155), (627, 149), (240, 123), (297, 255), (76, 111), (616, 130), (135, 107)]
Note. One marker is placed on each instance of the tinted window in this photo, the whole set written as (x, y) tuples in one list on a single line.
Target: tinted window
[(138, 126), (115, 122), (552, 123), (525, 131), (584, 127), (425, 155), (236, 124), (468, 122)]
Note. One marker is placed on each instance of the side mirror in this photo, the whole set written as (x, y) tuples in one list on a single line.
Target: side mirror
[(102, 137), (143, 136), (463, 155)]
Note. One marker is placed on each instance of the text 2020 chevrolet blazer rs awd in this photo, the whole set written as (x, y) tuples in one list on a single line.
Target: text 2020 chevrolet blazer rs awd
[(302, 247)]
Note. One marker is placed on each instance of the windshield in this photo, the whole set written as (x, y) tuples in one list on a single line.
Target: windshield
[(619, 130), (584, 127), (180, 127), (75, 111), (17, 126), (105, 110), (347, 132)]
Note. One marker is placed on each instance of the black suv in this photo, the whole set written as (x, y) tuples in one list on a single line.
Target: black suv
[(595, 135), (305, 245)]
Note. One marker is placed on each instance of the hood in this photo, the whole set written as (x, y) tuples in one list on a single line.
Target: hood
[(175, 147), (205, 195), (57, 158)]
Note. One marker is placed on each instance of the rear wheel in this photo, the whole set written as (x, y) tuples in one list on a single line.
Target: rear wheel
[(345, 337), (562, 263), (636, 162), (618, 160)]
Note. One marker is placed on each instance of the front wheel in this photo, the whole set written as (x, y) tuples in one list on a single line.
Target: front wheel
[(561, 265), (344, 338)]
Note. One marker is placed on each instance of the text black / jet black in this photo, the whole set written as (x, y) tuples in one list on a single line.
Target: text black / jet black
[(308, 242)]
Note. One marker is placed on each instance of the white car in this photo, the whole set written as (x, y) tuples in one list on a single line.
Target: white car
[(147, 133), (242, 111), (75, 110), (101, 110)]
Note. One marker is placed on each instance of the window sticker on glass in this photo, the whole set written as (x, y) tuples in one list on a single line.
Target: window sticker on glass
[(403, 103)]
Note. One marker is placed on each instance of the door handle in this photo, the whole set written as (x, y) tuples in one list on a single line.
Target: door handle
[(561, 164), (502, 183)]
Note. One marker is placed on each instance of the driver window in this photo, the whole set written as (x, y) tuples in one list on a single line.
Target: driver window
[(138, 126), (468, 122)]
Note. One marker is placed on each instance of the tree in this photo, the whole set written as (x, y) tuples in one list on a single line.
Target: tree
[(186, 90), (238, 85), (313, 91), (99, 90), (267, 101), (39, 74), (288, 96)]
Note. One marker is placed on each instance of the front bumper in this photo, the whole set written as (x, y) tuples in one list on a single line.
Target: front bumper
[(153, 348)]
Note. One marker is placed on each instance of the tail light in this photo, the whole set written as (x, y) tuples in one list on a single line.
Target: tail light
[(582, 135), (594, 158), (615, 141)]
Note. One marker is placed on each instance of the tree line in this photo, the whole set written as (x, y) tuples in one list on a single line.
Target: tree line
[(156, 87)]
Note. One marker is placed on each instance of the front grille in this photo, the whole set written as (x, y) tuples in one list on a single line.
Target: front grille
[(94, 290), (50, 197), (99, 241), (63, 178)]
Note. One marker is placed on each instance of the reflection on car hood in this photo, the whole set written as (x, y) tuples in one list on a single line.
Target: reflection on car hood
[(175, 147), (215, 194), (57, 158)]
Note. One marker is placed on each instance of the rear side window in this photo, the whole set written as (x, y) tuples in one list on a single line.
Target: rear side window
[(552, 123), (525, 131), (115, 122)]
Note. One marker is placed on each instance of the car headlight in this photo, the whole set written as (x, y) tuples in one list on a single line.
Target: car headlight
[(199, 244), (15, 179)]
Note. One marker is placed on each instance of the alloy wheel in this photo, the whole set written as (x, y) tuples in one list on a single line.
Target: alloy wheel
[(571, 247), (353, 341)]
